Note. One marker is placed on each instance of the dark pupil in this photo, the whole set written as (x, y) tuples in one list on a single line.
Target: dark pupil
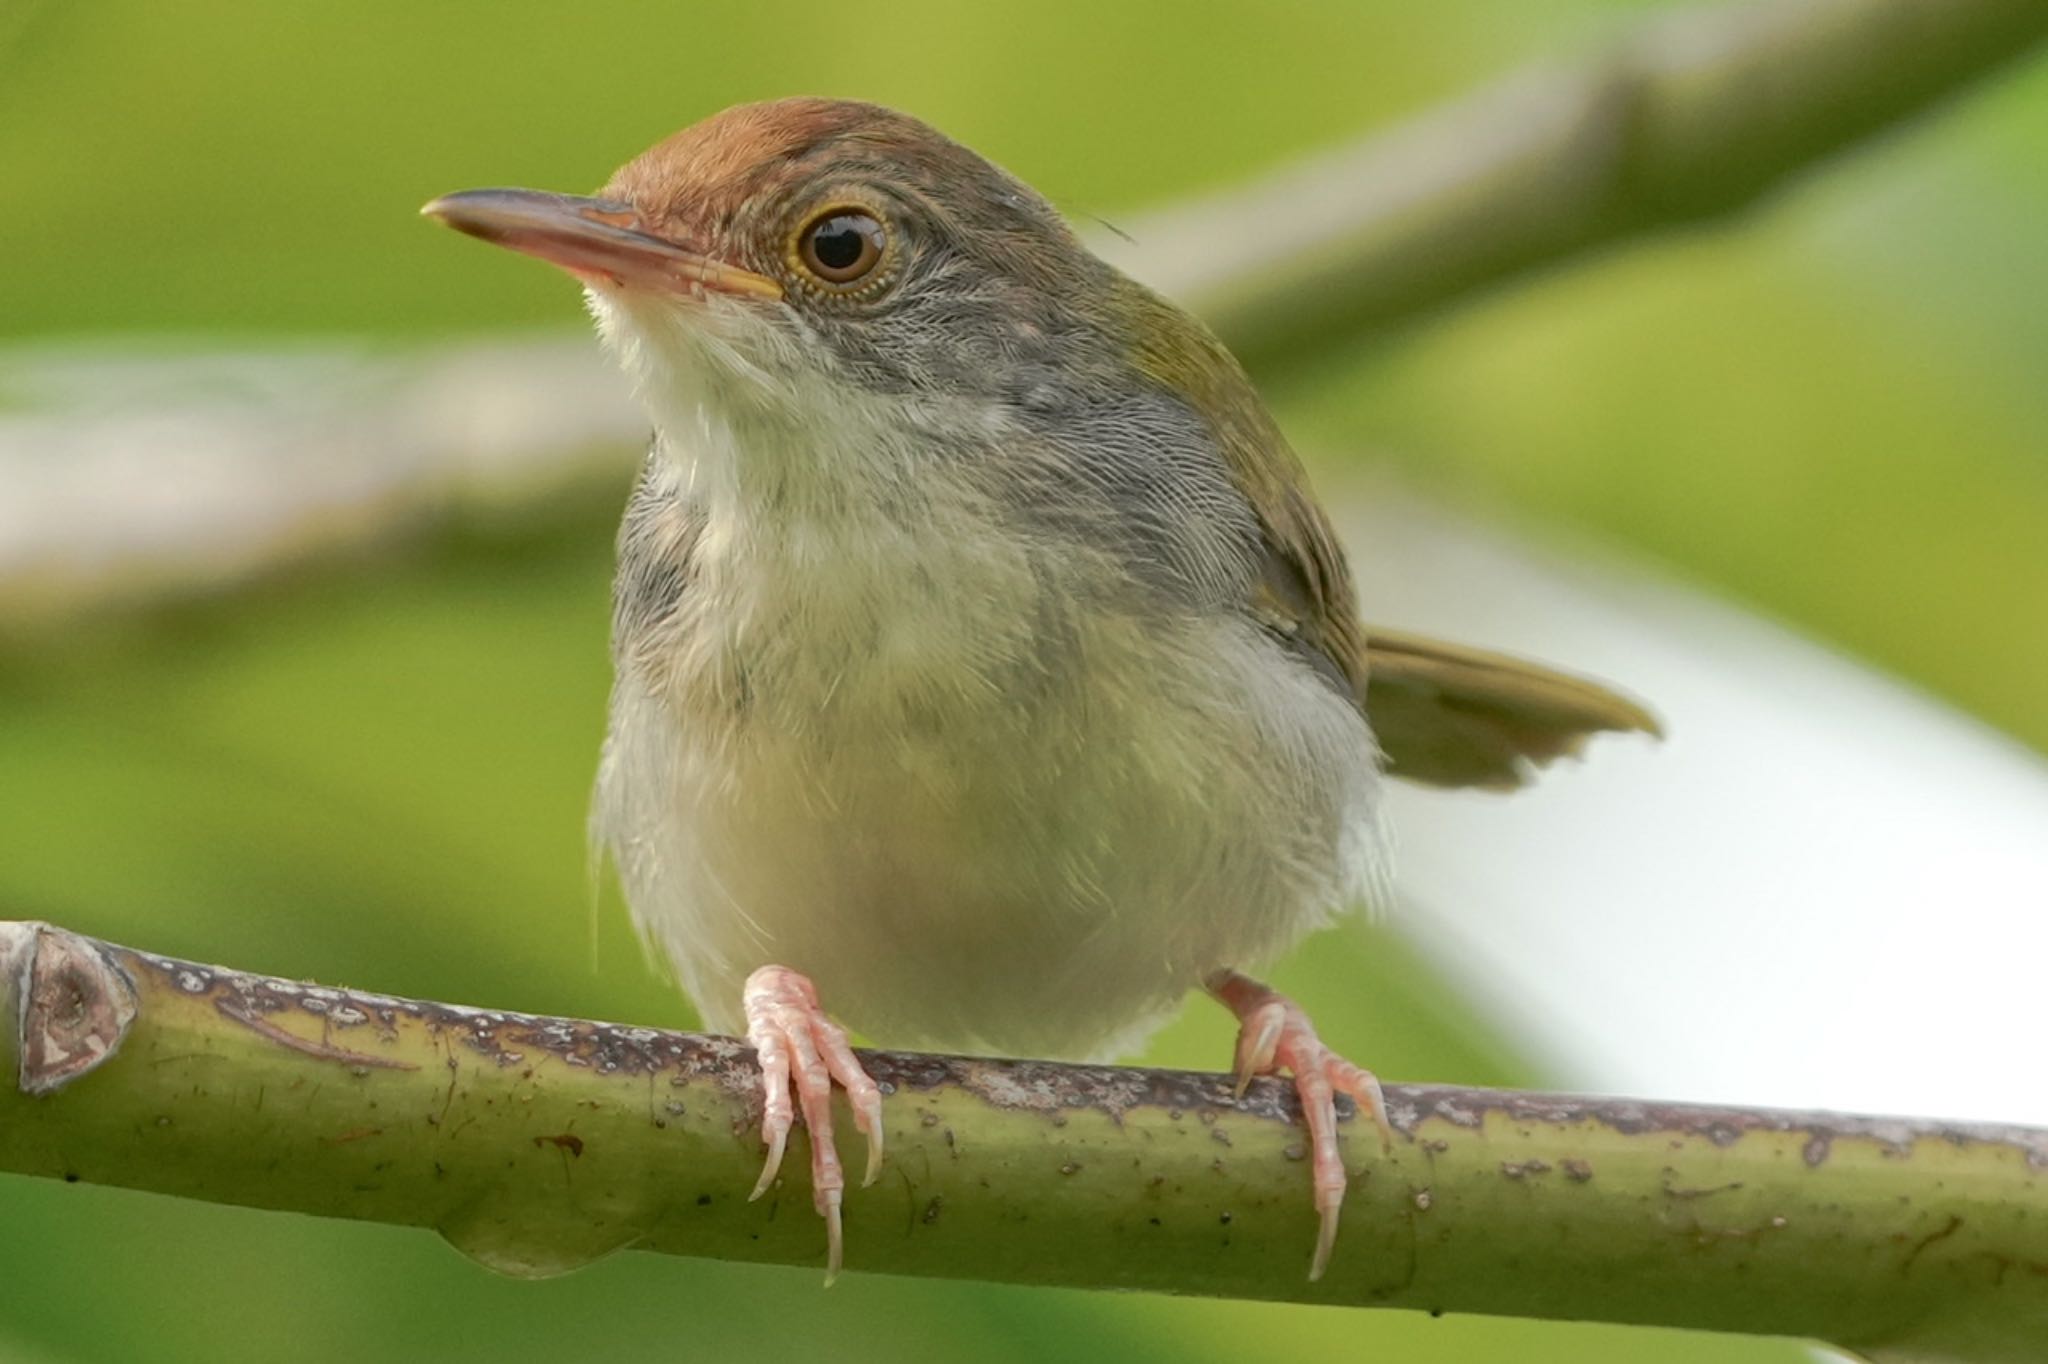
[(839, 243)]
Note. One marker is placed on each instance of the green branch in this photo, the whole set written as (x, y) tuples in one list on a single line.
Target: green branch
[(1694, 115), (538, 1144)]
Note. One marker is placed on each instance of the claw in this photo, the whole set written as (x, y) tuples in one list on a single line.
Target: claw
[(1256, 1041), (777, 1141), (868, 1118), (835, 1242), (1365, 1091), (1326, 1236), (1273, 1033), (802, 1050)]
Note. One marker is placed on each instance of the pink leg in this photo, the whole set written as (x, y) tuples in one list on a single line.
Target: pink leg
[(1273, 1033), (797, 1043)]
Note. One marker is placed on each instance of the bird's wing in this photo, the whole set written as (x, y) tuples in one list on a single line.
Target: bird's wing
[(1303, 592), (1444, 715), (1448, 715), (1303, 589)]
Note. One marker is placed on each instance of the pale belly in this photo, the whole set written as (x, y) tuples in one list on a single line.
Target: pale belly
[(1042, 871)]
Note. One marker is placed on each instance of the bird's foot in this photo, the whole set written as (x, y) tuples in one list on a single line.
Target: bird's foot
[(1274, 1034), (798, 1045)]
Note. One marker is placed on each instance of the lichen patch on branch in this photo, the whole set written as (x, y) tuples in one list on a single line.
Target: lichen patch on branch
[(285, 1012)]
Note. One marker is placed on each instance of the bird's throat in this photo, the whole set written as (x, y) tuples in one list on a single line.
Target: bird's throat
[(764, 433)]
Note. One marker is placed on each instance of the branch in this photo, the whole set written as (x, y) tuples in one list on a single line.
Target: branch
[(1694, 116), (133, 478), (226, 469), (538, 1144)]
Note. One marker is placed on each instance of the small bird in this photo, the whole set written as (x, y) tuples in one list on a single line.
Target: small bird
[(985, 666)]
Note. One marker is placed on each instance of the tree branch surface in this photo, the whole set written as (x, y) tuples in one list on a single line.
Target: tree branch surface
[(536, 1145)]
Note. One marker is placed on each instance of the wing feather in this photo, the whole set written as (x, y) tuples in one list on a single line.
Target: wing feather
[(1444, 714)]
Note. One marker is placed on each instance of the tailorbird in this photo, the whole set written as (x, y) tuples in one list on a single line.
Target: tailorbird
[(985, 665)]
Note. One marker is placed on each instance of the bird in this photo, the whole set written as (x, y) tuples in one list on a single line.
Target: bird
[(985, 669)]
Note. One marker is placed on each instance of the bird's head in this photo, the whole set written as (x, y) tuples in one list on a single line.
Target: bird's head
[(781, 250)]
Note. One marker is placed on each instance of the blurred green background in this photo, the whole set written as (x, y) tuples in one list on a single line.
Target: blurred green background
[(1834, 411)]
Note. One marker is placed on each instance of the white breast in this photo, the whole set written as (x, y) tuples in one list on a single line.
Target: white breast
[(960, 776)]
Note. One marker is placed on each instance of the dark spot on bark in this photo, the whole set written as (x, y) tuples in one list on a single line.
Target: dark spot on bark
[(932, 1210), (703, 1200), (1702, 1191), (1955, 1224)]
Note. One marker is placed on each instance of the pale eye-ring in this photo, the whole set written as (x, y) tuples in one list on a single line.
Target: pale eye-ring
[(842, 246)]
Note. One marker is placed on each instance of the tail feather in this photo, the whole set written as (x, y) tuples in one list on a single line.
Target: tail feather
[(1448, 715)]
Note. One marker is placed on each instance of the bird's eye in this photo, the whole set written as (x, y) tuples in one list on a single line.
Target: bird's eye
[(842, 246)]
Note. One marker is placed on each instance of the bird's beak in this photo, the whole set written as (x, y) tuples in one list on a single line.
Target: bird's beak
[(597, 241)]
